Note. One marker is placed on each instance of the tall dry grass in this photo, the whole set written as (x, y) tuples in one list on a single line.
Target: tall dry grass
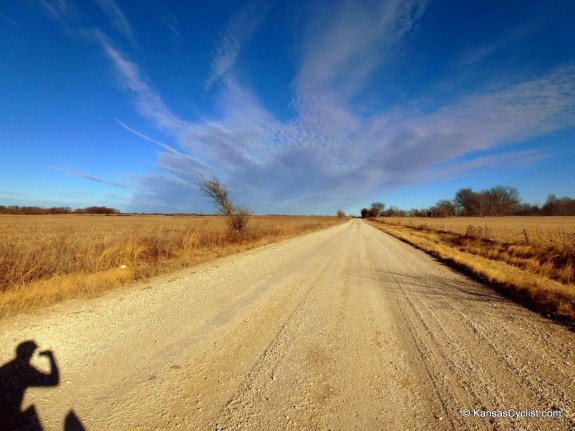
[(530, 258), (541, 245), (44, 259)]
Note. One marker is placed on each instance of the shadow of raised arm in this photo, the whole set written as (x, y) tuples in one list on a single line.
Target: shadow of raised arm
[(15, 377)]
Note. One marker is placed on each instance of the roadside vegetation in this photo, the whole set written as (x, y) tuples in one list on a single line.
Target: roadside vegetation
[(531, 259), (526, 250), (47, 258)]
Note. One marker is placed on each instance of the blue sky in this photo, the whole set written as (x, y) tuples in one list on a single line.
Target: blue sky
[(300, 107)]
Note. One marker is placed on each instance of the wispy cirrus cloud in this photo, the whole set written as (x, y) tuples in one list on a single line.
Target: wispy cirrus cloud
[(146, 101), (461, 168), (73, 18), (342, 51), (239, 31), (13, 194), (339, 57), (511, 37), (60, 11), (5, 18), (170, 22), (482, 121), (171, 156), (90, 177), (143, 136), (117, 16)]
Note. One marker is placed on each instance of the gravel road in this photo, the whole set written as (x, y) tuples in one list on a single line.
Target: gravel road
[(343, 329)]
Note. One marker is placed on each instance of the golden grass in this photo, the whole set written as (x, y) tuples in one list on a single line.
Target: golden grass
[(539, 230), (44, 259), (530, 258)]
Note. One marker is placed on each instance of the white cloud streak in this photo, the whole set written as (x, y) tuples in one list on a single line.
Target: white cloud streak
[(60, 11), (340, 56), (143, 136), (145, 100), (90, 177), (5, 18), (236, 35), (116, 15), (170, 22), (57, 9), (342, 52), (171, 155)]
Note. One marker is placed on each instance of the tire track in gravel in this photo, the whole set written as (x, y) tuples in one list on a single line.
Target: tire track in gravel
[(482, 367), (327, 362), (265, 367)]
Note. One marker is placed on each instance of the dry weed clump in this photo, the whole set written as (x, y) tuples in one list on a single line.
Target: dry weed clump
[(539, 273), (47, 258)]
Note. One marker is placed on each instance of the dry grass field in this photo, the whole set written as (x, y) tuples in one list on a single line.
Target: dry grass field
[(44, 259), (530, 258), (540, 230)]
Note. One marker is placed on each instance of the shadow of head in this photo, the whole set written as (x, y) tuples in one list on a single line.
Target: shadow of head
[(25, 350)]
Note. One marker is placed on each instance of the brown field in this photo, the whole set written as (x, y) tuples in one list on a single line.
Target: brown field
[(539, 230), (530, 258), (44, 259)]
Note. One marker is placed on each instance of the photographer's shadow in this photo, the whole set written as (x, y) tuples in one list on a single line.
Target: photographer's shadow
[(18, 375)]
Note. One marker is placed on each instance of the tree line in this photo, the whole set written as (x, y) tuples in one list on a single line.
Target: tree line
[(496, 201), (34, 210)]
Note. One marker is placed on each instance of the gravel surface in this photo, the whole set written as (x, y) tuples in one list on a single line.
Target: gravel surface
[(343, 329)]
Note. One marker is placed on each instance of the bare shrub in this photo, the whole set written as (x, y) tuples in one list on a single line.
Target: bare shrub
[(238, 216), (239, 219)]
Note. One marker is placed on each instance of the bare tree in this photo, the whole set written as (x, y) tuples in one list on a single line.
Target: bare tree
[(218, 193), (377, 209), (467, 201), (503, 200), (551, 204), (564, 206), (496, 201), (443, 208)]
